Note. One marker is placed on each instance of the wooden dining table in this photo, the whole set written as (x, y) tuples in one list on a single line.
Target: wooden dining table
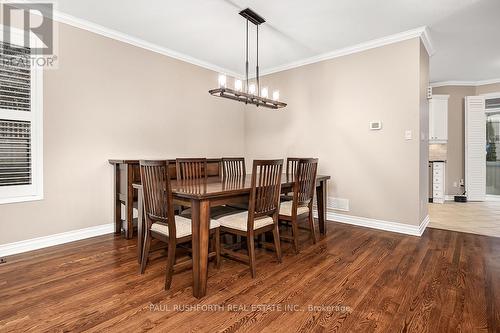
[(203, 194)]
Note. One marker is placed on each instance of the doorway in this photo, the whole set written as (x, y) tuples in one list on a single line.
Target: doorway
[(492, 108)]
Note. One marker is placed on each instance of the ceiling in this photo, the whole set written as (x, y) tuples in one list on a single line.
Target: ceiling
[(464, 32)]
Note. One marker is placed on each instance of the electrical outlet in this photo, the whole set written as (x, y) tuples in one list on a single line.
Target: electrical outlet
[(462, 182), (3, 260)]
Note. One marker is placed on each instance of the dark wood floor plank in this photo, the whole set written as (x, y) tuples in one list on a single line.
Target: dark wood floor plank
[(244, 290), (353, 289), (317, 279), (492, 277), (383, 291), (442, 282)]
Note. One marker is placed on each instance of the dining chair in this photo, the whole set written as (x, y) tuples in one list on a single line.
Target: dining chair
[(291, 166), (234, 172), (300, 207), (233, 167), (291, 170), (190, 171), (193, 174), (262, 213), (162, 224), (191, 168)]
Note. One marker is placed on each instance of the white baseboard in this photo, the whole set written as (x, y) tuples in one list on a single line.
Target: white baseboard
[(423, 225), (71, 236), (492, 197), (414, 230), (46, 241), (487, 198)]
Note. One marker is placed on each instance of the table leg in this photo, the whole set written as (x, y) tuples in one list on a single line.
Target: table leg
[(140, 224), (321, 202), (200, 216), (117, 209), (129, 203)]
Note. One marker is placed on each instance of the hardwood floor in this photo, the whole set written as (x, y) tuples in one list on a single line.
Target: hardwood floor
[(482, 218), (358, 280)]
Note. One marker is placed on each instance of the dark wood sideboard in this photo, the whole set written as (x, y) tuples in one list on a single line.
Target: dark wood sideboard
[(125, 174)]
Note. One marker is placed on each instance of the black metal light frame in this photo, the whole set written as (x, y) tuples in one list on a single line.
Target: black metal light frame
[(246, 97)]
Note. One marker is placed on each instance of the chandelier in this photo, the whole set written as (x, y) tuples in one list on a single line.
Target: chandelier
[(249, 93)]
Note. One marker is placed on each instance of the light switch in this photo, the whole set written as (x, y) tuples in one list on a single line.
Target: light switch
[(408, 135)]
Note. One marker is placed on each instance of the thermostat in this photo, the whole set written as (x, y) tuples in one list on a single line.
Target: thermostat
[(375, 125)]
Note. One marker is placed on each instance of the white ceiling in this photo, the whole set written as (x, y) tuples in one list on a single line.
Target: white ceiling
[(465, 33)]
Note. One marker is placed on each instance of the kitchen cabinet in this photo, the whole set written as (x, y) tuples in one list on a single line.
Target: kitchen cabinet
[(438, 119), (438, 182)]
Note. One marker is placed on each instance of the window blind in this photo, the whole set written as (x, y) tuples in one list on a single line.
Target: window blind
[(15, 152), (493, 103), (15, 78), (15, 133)]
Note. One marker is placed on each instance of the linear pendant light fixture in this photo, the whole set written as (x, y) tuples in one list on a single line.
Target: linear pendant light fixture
[(249, 94)]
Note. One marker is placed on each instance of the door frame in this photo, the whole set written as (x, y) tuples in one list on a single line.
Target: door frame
[(491, 197)]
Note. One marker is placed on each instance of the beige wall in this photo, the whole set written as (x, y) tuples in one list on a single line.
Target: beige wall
[(488, 89), (424, 133), (455, 166), (111, 100), (330, 106), (108, 99)]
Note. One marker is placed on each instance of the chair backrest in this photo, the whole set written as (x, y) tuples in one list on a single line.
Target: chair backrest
[(233, 167), (158, 202), (305, 182), (233, 183), (191, 168), (291, 166), (265, 192)]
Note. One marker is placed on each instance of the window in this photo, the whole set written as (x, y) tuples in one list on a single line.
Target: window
[(492, 108), (492, 104), (20, 124)]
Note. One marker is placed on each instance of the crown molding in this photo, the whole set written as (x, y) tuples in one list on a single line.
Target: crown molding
[(110, 33), (422, 33), (138, 42), (453, 83), (464, 83)]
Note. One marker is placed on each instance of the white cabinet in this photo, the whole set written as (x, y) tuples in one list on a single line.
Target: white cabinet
[(438, 183), (438, 119)]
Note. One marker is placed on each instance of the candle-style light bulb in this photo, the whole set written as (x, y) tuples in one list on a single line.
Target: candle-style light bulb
[(238, 85), (251, 89), (264, 92), (222, 81), (276, 95)]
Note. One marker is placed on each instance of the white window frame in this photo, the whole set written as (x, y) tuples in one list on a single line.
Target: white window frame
[(34, 191)]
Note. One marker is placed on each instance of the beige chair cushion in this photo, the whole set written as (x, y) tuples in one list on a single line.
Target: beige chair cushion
[(286, 209), (182, 227), (239, 221)]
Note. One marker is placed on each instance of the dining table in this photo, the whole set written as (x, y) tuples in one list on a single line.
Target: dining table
[(203, 194)]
